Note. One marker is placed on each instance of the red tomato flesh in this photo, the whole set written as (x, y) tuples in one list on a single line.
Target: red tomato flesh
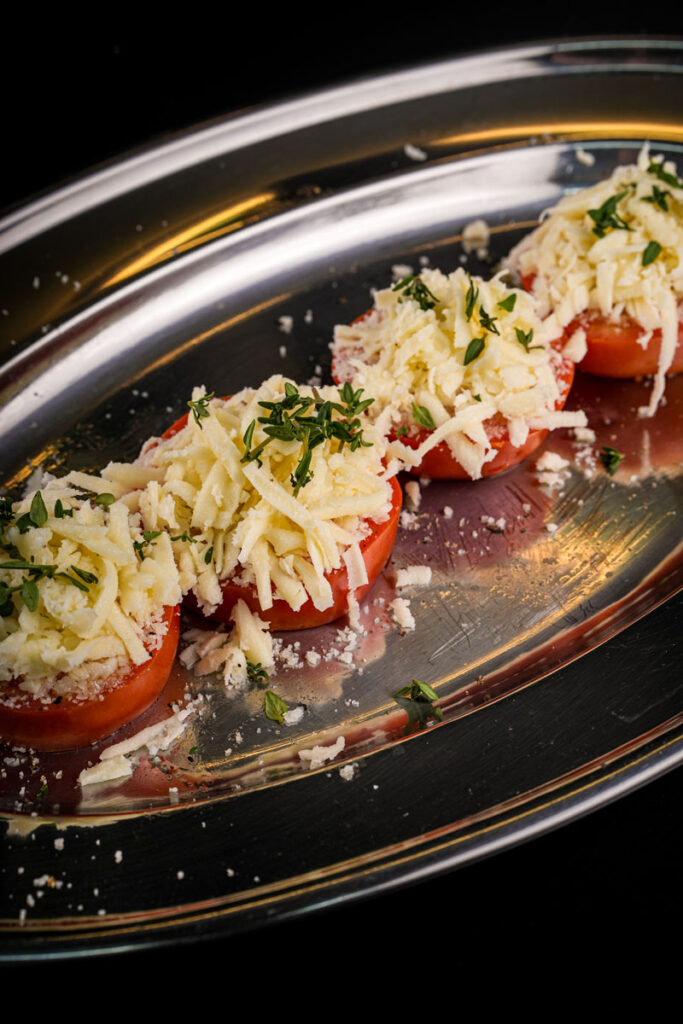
[(375, 548), (70, 723), (441, 464), (613, 348)]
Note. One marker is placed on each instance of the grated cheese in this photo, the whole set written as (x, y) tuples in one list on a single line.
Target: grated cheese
[(577, 271), (243, 519), (405, 355), (79, 638)]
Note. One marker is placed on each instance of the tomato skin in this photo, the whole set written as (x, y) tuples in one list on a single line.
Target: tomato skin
[(440, 464), (72, 724), (375, 548), (613, 349)]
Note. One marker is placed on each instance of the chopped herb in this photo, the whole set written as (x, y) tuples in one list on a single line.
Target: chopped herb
[(474, 349), (61, 512), (651, 252), (657, 168), (526, 339), (417, 700), (477, 398), (42, 792), (35, 517), (147, 537), (610, 459), (423, 417), (200, 409), (105, 500), (186, 537), (508, 303), (29, 593), (83, 574), (256, 672), (488, 322), (413, 287), (658, 198), (471, 297), (208, 555), (275, 707), (606, 216), (38, 511), (401, 432), (193, 750), (289, 420)]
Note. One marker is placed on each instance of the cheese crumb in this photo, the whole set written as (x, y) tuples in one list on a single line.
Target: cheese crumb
[(286, 324), (400, 609), (414, 576), (320, 754), (414, 152)]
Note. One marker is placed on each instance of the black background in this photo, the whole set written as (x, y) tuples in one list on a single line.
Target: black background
[(77, 92)]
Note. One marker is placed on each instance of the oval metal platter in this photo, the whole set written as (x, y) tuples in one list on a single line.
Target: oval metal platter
[(228, 255)]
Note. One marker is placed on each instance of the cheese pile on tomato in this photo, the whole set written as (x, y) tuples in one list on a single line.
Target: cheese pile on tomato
[(472, 351), (617, 249), (93, 606), (232, 516)]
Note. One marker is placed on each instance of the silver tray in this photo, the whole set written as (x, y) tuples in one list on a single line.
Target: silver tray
[(173, 268)]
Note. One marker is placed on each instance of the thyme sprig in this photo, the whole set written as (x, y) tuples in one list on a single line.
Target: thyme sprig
[(417, 700), (412, 287), (606, 216), (28, 588), (200, 409), (657, 168), (292, 419)]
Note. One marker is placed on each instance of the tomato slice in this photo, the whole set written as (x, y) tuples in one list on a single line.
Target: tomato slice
[(440, 464), (613, 346), (70, 723), (375, 549)]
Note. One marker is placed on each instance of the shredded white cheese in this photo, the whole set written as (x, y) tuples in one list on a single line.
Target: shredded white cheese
[(236, 518), (95, 609), (467, 361), (634, 269)]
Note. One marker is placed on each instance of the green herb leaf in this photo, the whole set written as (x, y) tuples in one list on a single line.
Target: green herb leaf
[(508, 303), (200, 409), (423, 417), (105, 500), (606, 216), (417, 700), (488, 322), (83, 574), (526, 339), (414, 288), (657, 168), (6, 511), (61, 512), (29, 594), (38, 511), (186, 537), (610, 459), (474, 350), (651, 252), (275, 707), (208, 556), (477, 398), (256, 673), (658, 198), (471, 297), (401, 432), (147, 537)]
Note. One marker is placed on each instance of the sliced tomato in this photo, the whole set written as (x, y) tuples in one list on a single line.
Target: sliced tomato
[(65, 723), (440, 463), (375, 549), (613, 346)]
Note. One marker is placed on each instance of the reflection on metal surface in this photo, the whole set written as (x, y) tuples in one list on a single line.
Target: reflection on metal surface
[(232, 218), (504, 610), (585, 131)]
